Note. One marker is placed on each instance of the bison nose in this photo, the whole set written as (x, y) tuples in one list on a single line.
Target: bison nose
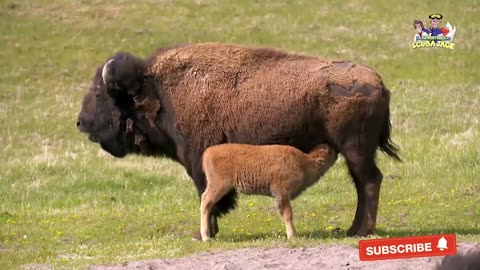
[(78, 123)]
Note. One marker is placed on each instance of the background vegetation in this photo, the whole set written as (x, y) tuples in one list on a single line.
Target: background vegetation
[(64, 202)]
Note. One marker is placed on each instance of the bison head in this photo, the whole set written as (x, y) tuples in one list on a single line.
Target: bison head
[(109, 104)]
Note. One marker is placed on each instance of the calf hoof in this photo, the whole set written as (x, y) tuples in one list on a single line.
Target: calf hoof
[(291, 237), (197, 236)]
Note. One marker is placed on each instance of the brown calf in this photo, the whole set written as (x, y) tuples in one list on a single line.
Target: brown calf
[(280, 171)]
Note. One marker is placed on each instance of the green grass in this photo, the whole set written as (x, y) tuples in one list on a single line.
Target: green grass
[(66, 203)]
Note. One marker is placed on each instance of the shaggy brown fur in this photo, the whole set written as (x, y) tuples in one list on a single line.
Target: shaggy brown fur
[(273, 170), (194, 96)]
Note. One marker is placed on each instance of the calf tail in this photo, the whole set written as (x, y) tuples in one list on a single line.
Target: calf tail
[(226, 203), (386, 145)]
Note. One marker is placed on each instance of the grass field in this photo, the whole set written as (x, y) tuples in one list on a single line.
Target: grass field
[(66, 203)]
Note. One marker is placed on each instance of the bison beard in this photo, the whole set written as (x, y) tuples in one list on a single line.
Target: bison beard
[(184, 99)]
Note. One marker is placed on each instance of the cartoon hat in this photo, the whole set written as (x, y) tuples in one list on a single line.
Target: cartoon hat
[(435, 16)]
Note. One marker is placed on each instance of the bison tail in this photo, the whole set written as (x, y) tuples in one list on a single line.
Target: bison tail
[(386, 145), (226, 203)]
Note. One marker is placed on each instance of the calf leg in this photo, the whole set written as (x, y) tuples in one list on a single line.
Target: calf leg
[(285, 210), (222, 207), (206, 205), (209, 198), (200, 182), (368, 179), (227, 202)]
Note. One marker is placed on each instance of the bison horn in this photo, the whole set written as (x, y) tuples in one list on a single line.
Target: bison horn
[(106, 73)]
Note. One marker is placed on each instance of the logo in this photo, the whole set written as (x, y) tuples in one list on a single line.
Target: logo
[(435, 36), (407, 247)]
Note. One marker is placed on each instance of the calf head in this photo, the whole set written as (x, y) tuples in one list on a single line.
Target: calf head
[(110, 103), (324, 155)]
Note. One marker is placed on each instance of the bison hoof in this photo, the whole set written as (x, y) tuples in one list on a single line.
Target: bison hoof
[(360, 232), (336, 231)]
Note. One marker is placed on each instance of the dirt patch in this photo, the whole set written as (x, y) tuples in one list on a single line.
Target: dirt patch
[(320, 257), (36, 266)]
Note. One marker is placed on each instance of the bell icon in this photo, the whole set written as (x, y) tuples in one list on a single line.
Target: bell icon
[(442, 244)]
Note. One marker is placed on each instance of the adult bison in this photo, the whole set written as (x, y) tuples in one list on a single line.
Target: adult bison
[(184, 99)]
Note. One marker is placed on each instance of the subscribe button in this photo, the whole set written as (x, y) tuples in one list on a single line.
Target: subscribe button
[(407, 247)]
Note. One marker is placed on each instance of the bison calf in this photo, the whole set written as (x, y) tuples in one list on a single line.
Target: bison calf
[(280, 171)]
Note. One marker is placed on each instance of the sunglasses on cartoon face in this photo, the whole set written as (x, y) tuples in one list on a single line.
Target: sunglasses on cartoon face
[(435, 16)]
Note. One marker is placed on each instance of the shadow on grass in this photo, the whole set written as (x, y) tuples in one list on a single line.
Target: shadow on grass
[(413, 232), (282, 236), (250, 237), (341, 234)]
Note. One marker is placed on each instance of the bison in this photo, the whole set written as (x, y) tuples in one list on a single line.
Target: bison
[(281, 171), (184, 99)]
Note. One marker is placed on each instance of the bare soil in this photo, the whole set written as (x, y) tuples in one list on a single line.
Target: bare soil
[(320, 257)]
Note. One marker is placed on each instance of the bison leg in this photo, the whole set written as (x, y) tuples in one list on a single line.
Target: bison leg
[(368, 179)]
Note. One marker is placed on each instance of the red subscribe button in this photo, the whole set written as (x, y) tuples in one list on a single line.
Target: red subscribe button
[(407, 247)]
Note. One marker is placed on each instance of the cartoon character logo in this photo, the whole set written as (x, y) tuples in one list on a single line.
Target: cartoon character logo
[(420, 30), (435, 35), (436, 30)]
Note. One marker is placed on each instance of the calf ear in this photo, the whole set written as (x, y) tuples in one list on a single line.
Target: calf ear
[(319, 162), (123, 74)]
